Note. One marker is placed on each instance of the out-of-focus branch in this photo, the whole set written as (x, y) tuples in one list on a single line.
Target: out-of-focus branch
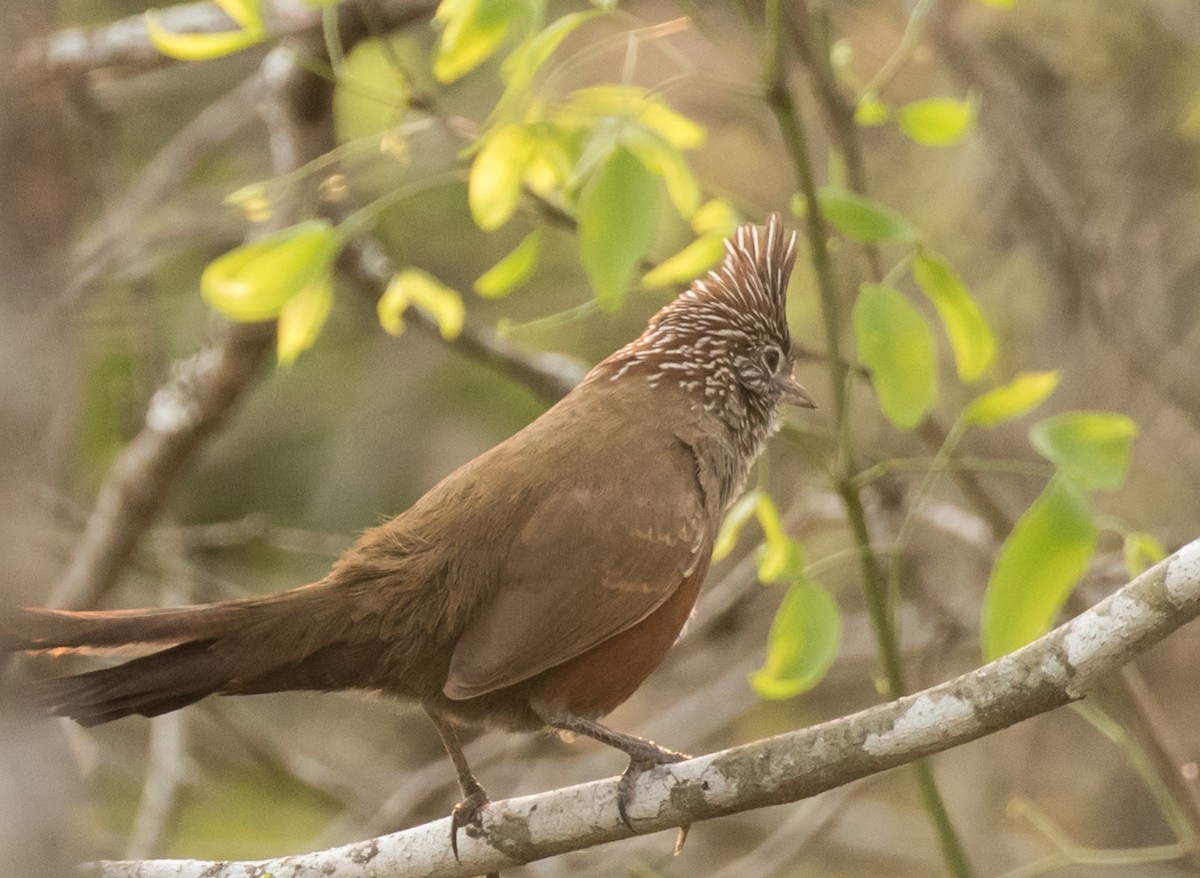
[(1061, 667)]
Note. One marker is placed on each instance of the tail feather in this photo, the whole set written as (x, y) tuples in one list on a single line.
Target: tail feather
[(40, 630)]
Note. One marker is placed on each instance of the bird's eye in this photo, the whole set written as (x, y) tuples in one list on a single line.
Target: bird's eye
[(772, 359)]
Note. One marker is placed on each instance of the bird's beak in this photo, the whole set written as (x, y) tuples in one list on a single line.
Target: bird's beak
[(795, 394)]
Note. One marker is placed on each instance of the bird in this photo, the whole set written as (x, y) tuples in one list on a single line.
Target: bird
[(532, 589)]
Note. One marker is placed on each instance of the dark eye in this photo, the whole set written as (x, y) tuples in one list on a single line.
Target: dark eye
[(772, 359)]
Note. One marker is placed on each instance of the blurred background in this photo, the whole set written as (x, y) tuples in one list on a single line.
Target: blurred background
[(1071, 209)]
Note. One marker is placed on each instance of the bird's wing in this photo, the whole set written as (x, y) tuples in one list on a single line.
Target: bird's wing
[(589, 563)]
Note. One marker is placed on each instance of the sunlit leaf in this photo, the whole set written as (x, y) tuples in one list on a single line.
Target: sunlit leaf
[(779, 556), (662, 159), (253, 282), (549, 166), (618, 212), (302, 318), (420, 290), (638, 104), (970, 336), (862, 219), (870, 111), (1015, 399), (513, 270), (739, 513), (472, 30), (896, 344), (937, 121), (1141, 551), (1090, 448), (494, 185), (246, 13), (803, 642), (717, 215), (522, 64), (370, 93), (677, 129), (198, 46), (1038, 565), (689, 263)]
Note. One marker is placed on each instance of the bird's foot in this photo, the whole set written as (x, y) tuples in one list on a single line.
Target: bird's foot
[(468, 814), (641, 758)]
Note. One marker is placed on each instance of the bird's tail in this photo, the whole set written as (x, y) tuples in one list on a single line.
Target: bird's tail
[(202, 649)]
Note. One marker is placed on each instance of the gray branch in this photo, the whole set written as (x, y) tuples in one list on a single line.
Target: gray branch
[(1061, 667)]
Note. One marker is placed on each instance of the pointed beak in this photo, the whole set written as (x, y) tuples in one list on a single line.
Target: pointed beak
[(795, 394)]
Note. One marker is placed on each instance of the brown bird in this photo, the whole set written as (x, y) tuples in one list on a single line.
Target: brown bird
[(535, 587)]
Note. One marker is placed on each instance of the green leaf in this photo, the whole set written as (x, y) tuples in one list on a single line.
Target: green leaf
[(937, 121), (1141, 551), (664, 160), (513, 270), (637, 104), (549, 166), (870, 111), (420, 290), (618, 211), (253, 282), (472, 30), (370, 93), (1015, 399), (716, 215), (862, 219), (1089, 448), (202, 46), (780, 556), (896, 344), (494, 185), (302, 318), (522, 65), (970, 336), (802, 645), (689, 263), (1038, 565), (739, 513)]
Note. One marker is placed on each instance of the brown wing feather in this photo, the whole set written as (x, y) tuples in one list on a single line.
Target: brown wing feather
[(559, 597)]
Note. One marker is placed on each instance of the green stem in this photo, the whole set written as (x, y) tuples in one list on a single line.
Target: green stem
[(791, 126)]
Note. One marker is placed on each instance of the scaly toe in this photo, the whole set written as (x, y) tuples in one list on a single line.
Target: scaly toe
[(467, 813)]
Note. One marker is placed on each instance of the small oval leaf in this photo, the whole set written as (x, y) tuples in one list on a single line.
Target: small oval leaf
[(253, 282), (739, 513), (198, 46), (662, 159), (870, 111), (302, 318), (513, 270), (494, 185), (896, 344), (618, 210), (802, 645), (1141, 551), (1089, 448), (689, 263), (1015, 399), (472, 30), (937, 121), (717, 215), (862, 219), (1038, 565), (970, 336), (418, 288)]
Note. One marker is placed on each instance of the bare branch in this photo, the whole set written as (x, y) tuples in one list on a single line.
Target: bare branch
[(1061, 667)]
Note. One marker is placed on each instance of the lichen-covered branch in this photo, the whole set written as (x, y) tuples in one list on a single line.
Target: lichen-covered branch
[(1063, 666)]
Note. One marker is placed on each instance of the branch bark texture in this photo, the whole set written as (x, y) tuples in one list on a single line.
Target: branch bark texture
[(1061, 667)]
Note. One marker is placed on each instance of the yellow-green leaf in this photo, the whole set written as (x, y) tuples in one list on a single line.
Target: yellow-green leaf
[(1038, 565), (870, 111), (896, 344), (970, 336), (716, 215), (739, 513), (302, 318), (1015, 399), (937, 121), (246, 13), (862, 219), (370, 93), (662, 159), (802, 645), (689, 263), (472, 30), (618, 211), (199, 46), (675, 128), (1089, 448), (523, 63), (417, 288), (513, 270), (253, 282), (1141, 551), (549, 166), (779, 557), (494, 185)]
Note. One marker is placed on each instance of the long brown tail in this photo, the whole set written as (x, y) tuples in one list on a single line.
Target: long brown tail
[(254, 645)]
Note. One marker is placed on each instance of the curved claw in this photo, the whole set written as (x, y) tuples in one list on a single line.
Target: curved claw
[(468, 812), (638, 764)]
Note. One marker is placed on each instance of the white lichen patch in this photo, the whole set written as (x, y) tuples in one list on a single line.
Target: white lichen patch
[(1097, 635), (926, 720), (1183, 574)]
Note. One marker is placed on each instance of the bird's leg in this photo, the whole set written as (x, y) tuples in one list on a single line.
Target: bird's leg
[(643, 754), (468, 812)]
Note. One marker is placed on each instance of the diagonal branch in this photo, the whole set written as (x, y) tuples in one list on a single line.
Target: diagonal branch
[(1061, 667)]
